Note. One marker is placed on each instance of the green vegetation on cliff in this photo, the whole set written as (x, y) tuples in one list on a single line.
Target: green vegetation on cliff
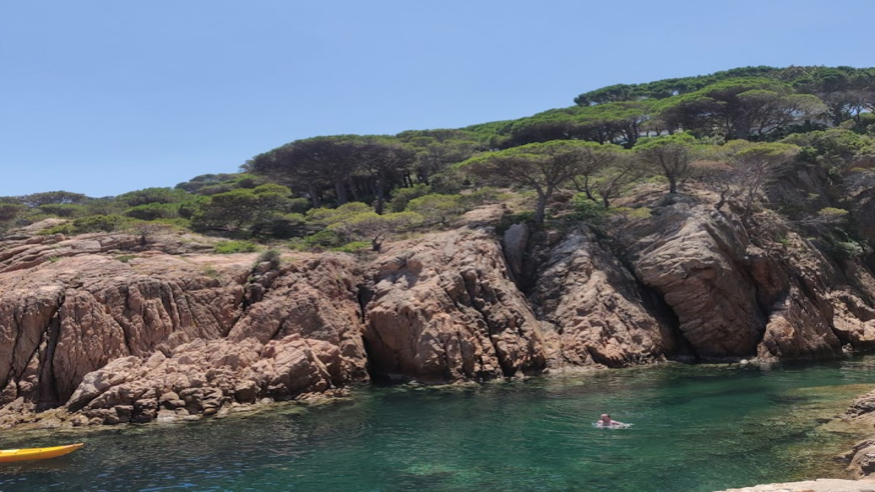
[(734, 132)]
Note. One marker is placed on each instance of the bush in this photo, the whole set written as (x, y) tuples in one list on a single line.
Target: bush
[(586, 209), (152, 211), (437, 209), (323, 239), (66, 210), (632, 213), (271, 256), (353, 247), (283, 226), (94, 223), (231, 247), (402, 196), (152, 195), (479, 197)]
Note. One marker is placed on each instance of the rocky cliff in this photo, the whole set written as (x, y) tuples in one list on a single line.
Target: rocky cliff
[(115, 328)]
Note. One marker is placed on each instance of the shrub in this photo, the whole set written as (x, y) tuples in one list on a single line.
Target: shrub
[(437, 209), (94, 223), (66, 210), (586, 209), (152, 211), (281, 226), (402, 196), (231, 247), (323, 239), (480, 197), (353, 247), (271, 256), (632, 213), (152, 195)]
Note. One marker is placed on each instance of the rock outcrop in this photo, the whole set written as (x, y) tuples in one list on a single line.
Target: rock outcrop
[(444, 308), (111, 333), (596, 308), (118, 328)]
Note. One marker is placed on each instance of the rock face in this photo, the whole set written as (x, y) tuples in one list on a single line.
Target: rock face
[(736, 297), (444, 308), (128, 328), (596, 309), (111, 335)]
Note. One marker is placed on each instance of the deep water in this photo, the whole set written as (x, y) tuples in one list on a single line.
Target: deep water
[(696, 428)]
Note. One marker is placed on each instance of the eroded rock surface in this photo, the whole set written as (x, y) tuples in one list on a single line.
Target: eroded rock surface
[(596, 308), (119, 328), (109, 332), (444, 308)]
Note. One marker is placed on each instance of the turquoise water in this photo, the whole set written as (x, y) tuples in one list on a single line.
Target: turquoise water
[(696, 428)]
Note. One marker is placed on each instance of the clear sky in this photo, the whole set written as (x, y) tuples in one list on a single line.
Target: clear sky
[(107, 96)]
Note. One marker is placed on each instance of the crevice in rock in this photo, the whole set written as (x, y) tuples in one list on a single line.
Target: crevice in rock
[(124, 326), (506, 368), (48, 384), (364, 295)]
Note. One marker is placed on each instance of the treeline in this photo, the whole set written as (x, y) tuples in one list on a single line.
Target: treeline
[(730, 130)]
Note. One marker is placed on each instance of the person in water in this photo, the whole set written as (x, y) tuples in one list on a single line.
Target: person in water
[(606, 421)]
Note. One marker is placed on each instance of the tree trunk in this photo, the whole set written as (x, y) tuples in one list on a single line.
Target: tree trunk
[(540, 211), (381, 187), (672, 185), (340, 189), (314, 195), (353, 188)]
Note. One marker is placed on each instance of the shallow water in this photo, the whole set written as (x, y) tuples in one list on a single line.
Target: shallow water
[(696, 428)]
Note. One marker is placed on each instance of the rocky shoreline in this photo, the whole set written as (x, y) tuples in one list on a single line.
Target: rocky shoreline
[(115, 328)]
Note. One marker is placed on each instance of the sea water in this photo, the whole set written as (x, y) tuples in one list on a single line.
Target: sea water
[(696, 428)]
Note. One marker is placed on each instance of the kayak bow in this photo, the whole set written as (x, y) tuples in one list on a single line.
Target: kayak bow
[(10, 455)]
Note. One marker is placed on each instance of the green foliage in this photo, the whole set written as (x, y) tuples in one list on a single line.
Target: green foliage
[(53, 197), (542, 167), (353, 247), (847, 249), (271, 256), (369, 225), (105, 206), (480, 196), (321, 239), (739, 107), (241, 208), (282, 226), (152, 195), (93, 223), (437, 209), (832, 148), (633, 213), (671, 156), (586, 209), (210, 184), (65, 210), (154, 210), (832, 215), (9, 211), (327, 216), (402, 196), (231, 247)]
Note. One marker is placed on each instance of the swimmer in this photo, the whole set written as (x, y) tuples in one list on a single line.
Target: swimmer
[(606, 421)]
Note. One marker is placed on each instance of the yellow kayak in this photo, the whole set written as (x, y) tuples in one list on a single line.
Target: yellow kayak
[(9, 455)]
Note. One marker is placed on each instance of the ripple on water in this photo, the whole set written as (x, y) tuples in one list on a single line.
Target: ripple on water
[(696, 429)]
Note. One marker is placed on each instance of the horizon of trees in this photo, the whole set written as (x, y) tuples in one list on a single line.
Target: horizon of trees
[(613, 137)]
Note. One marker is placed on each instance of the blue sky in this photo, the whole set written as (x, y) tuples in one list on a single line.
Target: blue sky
[(106, 96)]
